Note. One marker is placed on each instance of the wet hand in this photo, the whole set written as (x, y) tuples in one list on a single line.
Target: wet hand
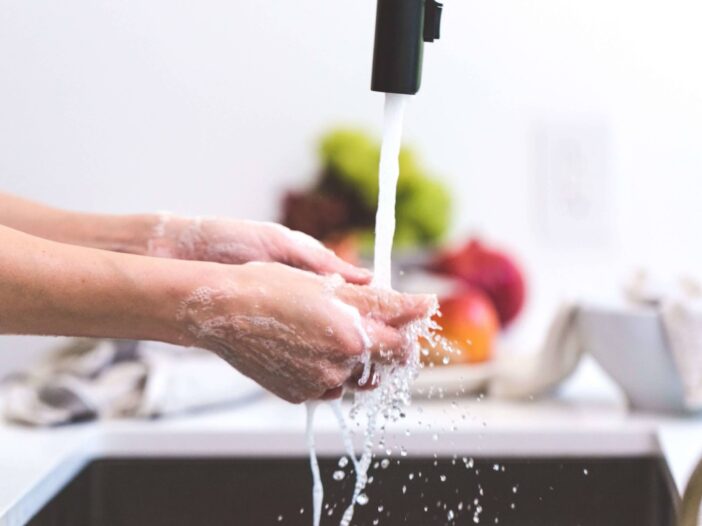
[(300, 335), (232, 241)]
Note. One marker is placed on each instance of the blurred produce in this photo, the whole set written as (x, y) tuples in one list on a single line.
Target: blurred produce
[(489, 270), (344, 198), (470, 326), (320, 215), (346, 247)]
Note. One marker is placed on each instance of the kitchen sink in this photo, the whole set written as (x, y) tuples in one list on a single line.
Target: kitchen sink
[(243, 491)]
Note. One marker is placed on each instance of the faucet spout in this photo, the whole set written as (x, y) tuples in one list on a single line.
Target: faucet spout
[(401, 28)]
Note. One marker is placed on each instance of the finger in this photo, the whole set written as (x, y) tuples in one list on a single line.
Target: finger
[(333, 264), (324, 261), (387, 343), (355, 381), (333, 394), (387, 306)]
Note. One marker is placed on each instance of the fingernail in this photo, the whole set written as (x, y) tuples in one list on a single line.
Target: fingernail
[(362, 273)]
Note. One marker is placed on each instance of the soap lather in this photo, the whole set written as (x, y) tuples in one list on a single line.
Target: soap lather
[(401, 28)]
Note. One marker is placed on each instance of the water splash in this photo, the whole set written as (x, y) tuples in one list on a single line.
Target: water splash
[(393, 392), (373, 409)]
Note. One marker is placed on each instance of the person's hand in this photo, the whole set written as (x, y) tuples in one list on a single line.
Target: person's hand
[(300, 335), (237, 241)]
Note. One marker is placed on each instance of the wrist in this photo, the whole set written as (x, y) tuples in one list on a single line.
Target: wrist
[(180, 296), (165, 237), (206, 293), (129, 234)]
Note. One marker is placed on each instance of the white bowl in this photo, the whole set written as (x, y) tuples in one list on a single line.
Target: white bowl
[(631, 346)]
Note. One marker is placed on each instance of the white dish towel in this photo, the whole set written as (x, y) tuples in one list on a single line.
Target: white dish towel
[(679, 307), (93, 379)]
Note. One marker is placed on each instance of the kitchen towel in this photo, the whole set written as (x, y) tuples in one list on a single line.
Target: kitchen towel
[(526, 376), (94, 379)]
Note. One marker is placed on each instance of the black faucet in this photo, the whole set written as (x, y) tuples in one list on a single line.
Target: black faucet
[(401, 28)]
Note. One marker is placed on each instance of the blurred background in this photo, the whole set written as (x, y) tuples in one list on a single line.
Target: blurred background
[(567, 134)]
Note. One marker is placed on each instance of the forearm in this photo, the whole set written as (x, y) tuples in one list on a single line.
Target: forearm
[(128, 233), (56, 289)]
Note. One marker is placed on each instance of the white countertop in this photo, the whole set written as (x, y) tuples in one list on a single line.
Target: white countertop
[(34, 464)]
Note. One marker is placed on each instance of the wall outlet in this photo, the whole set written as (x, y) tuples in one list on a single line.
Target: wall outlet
[(574, 190)]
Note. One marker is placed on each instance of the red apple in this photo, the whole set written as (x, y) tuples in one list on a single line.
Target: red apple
[(470, 326), (489, 270)]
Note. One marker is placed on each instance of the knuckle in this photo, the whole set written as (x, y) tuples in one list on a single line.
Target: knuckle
[(334, 378), (293, 397), (352, 345)]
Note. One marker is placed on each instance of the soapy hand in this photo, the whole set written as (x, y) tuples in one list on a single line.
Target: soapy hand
[(232, 241), (300, 335)]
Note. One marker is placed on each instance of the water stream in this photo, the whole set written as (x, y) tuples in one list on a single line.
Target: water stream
[(317, 486), (393, 393), (389, 173)]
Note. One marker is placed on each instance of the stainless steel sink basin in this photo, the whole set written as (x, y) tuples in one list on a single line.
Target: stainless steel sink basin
[(620, 491)]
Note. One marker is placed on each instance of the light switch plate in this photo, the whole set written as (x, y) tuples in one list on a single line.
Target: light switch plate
[(574, 190)]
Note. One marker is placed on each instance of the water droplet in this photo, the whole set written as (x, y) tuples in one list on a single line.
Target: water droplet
[(514, 489), (362, 499), (586, 472), (442, 478), (435, 437), (343, 462), (339, 475), (496, 467), (280, 518), (384, 463), (450, 515)]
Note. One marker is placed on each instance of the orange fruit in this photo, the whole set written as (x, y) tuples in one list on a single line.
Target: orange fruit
[(470, 326)]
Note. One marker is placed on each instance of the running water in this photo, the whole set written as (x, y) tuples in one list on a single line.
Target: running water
[(317, 487), (393, 392), (388, 176)]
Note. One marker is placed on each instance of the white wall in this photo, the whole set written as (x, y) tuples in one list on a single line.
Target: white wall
[(212, 107)]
